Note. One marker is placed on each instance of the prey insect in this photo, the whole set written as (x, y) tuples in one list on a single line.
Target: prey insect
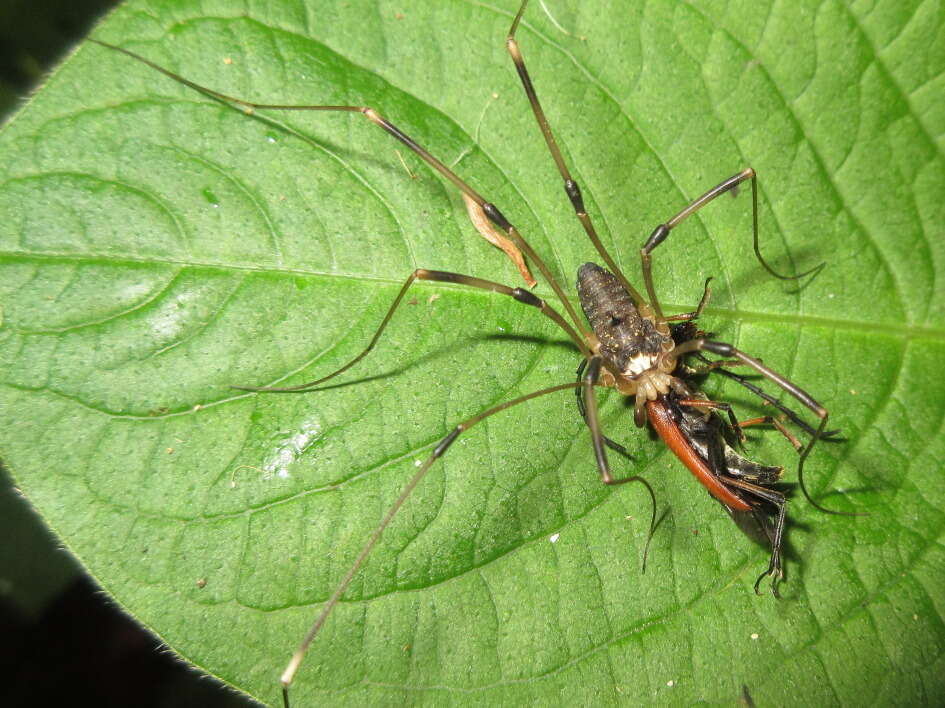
[(626, 340)]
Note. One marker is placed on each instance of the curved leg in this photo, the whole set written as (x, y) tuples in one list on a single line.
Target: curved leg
[(661, 232), (444, 277), (582, 410), (487, 208), (588, 381), (777, 425)]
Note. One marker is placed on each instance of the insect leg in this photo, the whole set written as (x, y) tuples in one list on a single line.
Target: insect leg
[(727, 350), (738, 426), (717, 462), (736, 482), (441, 447), (489, 209), (697, 313), (444, 277), (777, 425), (716, 406), (662, 231), (775, 498), (571, 187), (761, 393)]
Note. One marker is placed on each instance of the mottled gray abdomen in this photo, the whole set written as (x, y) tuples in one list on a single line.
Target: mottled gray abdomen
[(628, 340)]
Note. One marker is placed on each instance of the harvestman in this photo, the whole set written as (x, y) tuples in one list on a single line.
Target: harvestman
[(630, 347)]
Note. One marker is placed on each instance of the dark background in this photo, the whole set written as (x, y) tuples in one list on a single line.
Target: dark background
[(62, 642)]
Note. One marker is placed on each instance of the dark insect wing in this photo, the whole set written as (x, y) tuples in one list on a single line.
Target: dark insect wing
[(706, 433), (749, 470), (708, 439)]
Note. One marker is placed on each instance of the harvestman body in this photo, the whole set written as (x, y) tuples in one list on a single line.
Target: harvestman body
[(630, 346)]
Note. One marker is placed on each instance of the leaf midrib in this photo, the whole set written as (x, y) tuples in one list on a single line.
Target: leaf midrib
[(900, 329)]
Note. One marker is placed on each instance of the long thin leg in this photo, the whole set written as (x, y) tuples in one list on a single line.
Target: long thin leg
[(761, 393), (289, 674), (444, 277), (582, 410), (728, 351), (489, 209), (662, 231), (590, 416), (593, 424), (571, 187)]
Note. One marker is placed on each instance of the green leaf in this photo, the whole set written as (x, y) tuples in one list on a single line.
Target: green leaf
[(158, 246)]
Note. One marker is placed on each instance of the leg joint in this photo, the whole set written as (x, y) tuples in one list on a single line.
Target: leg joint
[(528, 298), (573, 191), (656, 238), (447, 441), (496, 216), (719, 348)]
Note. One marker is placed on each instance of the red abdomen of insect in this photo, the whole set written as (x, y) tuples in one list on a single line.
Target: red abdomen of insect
[(661, 418)]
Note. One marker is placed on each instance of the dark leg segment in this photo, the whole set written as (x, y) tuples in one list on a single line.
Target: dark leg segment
[(289, 674), (489, 209), (444, 277), (661, 232), (582, 409), (593, 424), (570, 186)]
